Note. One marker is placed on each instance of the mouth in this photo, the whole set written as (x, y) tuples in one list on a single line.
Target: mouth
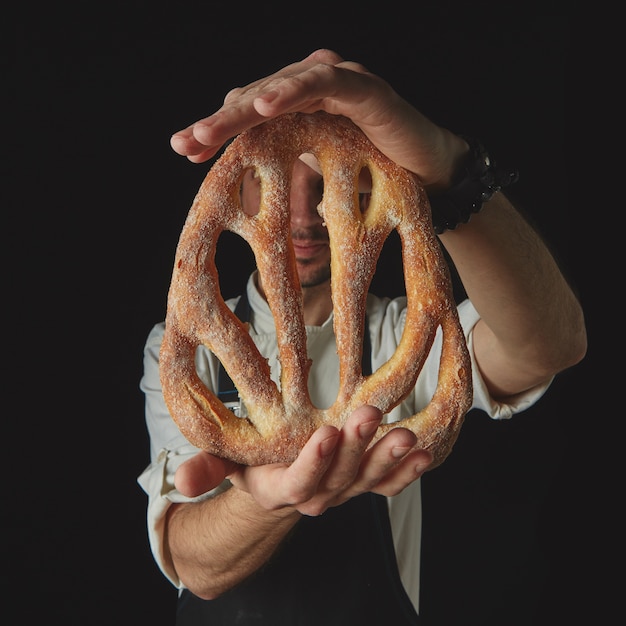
[(307, 248)]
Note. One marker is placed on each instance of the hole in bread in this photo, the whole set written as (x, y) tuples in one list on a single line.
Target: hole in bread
[(365, 188), (250, 191)]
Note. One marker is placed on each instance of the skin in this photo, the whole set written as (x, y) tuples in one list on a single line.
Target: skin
[(531, 326)]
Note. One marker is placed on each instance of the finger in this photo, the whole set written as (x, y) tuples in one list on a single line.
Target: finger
[(184, 143), (412, 466), (316, 57), (306, 472), (381, 458), (332, 88), (356, 435), (203, 139), (215, 130), (321, 56), (278, 485), (201, 473)]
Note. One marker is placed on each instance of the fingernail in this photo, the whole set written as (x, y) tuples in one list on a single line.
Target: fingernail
[(199, 128), (367, 428), (269, 96), (399, 451), (207, 122), (423, 465), (328, 445)]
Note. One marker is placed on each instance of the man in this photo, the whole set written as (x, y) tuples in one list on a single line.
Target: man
[(309, 542)]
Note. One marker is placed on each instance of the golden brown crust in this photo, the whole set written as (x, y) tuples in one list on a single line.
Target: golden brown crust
[(278, 424)]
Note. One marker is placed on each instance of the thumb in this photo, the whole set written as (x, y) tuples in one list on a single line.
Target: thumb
[(201, 473)]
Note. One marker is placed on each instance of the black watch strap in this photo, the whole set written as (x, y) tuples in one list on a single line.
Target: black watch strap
[(478, 181)]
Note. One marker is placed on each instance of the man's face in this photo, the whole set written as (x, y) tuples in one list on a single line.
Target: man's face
[(309, 236)]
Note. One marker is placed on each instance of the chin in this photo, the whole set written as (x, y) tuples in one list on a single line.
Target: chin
[(310, 277)]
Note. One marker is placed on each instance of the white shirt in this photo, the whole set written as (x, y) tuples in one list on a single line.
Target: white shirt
[(169, 448)]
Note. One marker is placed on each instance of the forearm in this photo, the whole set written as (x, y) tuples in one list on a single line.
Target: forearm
[(532, 325), (215, 544)]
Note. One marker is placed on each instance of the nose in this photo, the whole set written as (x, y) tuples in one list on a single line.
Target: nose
[(306, 193)]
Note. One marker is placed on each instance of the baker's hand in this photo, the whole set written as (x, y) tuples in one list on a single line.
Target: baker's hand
[(333, 466), (324, 81)]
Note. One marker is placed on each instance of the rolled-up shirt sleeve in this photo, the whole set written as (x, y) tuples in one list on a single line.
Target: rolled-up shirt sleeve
[(482, 399), (388, 321), (168, 450)]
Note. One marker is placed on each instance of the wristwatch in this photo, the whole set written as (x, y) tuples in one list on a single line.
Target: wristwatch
[(479, 179)]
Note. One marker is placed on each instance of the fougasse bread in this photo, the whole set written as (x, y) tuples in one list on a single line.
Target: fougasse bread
[(280, 418)]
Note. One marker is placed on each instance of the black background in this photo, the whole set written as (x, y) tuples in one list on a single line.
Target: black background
[(518, 521)]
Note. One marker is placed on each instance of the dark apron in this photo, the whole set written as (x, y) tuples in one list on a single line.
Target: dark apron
[(336, 569)]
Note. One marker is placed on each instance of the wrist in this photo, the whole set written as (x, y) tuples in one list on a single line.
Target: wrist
[(476, 181)]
